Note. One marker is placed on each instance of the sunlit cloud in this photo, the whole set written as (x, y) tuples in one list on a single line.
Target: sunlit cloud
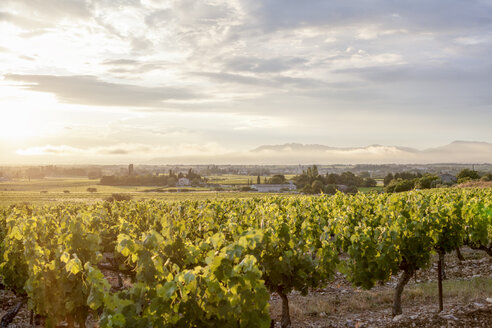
[(239, 74), (89, 90)]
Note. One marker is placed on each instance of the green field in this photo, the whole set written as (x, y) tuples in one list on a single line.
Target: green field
[(51, 190), (231, 179), (369, 189), (74, 190)]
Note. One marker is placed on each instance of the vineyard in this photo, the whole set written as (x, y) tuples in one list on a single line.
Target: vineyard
[(216, 263)]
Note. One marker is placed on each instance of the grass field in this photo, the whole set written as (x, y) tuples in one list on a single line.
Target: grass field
[(369, 189), (238, 179), (53, 190)]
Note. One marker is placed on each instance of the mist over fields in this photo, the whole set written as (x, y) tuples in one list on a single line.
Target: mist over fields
[(293, 153)]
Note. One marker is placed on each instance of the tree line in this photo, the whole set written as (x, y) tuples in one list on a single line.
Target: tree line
[(169, 180), (311, 182)]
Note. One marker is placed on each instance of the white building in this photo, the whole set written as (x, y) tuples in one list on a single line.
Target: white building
[(274, 187), (447, 178), (183, 182)]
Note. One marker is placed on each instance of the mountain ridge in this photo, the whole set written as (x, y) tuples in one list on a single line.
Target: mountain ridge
[(458, 151)]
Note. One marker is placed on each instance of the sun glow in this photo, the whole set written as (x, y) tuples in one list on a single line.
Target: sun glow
[(21, 114)]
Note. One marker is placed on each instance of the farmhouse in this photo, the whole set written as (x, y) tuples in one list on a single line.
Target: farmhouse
[(183, 182), (447, 178), (274, 187)]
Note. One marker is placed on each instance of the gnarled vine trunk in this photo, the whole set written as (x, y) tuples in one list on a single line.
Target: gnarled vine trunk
[(404, 279), (459, 255), (285, 322), (486, 249), (10, 315), (440, 270)]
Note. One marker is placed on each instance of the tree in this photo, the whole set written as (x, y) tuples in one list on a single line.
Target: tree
[(171, 182), (317, 187), (426, 182), (277, 179), (387, 179), (350, 179), (312, 173), (91, 190), (369, 182), (258, 180), (398, 185), (467, 173), (332, 178), (330, 189), (486, 177)]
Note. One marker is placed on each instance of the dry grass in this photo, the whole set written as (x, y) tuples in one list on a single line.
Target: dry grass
[(475, 184), (461, 291)]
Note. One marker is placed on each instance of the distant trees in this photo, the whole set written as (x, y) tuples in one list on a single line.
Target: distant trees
[(467, 175), (117, 197), (277, 179), (399, 185), (91, 190), (400, 175), (486, 177), (388, 178), (404, 181), (427, 181), (151, 179), (94, 174), (311, 182), (316, 187), (330, 189), (369, 182)]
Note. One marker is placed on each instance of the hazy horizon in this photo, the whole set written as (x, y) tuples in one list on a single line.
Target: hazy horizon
[(96, 81), (458, 152)]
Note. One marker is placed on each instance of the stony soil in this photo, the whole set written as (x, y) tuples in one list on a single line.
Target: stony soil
[(341, 305)]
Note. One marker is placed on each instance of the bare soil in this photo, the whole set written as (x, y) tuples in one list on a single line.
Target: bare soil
[(466, 290), (475, 184)]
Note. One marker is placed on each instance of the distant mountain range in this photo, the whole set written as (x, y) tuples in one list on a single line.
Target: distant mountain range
[(295, 153)]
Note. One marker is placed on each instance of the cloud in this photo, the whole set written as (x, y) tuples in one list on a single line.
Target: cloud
[(48, 150), (159, 18), (134, 67), (21, 21), (328, 70), (428, 14), (222, 77), (89, 90), (65, 150), (52, 9), (121, 62), (122, 150), (141, 44), (275, 81), (260, 65)]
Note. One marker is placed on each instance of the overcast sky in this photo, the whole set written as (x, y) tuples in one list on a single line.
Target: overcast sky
[(117, 80)]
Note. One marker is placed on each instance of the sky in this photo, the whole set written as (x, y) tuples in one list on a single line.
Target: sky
[(112, 81)]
